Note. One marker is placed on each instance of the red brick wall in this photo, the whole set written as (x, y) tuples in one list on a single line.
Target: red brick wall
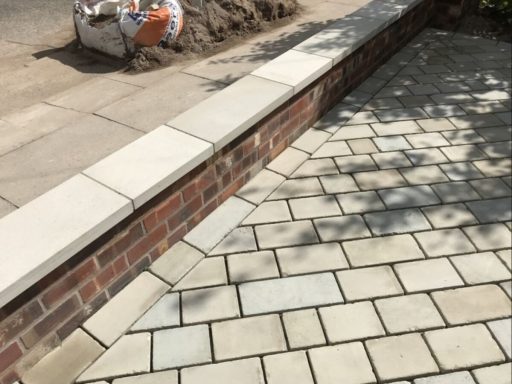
[(45, 314)]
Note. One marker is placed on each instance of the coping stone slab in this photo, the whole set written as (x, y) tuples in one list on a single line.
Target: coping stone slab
[(64, 364), (342, 38), (176, 262), (216, 226), (155, 161), (79, 210), (388, 12), (115, 317), (225, 115), (294, 68)]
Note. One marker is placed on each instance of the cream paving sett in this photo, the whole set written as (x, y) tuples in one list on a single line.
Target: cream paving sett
[(375, 249)]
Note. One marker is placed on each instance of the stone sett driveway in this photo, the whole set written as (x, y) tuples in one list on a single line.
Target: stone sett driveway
[(378, 251)]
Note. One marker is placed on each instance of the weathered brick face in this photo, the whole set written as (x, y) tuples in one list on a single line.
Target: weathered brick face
[(49, 311)]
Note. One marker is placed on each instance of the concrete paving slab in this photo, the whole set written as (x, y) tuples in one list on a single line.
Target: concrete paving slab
[(156, 104), (43, 164), (156, 160), (253, 98)]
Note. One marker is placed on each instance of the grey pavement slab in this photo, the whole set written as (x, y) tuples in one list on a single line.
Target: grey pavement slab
[(396, 222), (261, 186), (208, 272), (369, 283), (92, 208), (255, 98), (288, 368), (297, 188), (167, 377), (448, 378), (180, 347), (286, 234), (156, 161), (164, 314), (210, 304), (155, 105), (341, 228), (311, 140), (239, 240), (406, 197), (288, 161), (497, 374), (252, 266), (56, 157), (303, 328), (289, 293), (207, 234), (269, 212), (244, 371)]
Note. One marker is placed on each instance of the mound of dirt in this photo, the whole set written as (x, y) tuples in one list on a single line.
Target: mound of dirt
[(212, 24)]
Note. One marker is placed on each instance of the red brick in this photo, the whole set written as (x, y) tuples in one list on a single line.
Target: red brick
[(88, 291), (145, 245), (120, 265), (51, 322), (19, 321), (10, 378), (68, 283), (9, 356), (166, 209), (105, 276)]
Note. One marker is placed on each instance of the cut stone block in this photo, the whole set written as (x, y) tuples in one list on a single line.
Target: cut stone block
[(357, 163), (316, 167), (239, 240), (409, 313), (449, 378), (115, 317), (260, 187), (64, 364), (391, 143), (382, 250), (345, 363), (494, 167), (128, 356), (362, 146), (241, 371), (428, 275), (426, 174), (176, 262), (289, 293), (449, 215), (207, 273), (213, 121), (164, 314), (506, 257), (455, 191), (261, 335), (360, 202), (491, 188), (426, 140), (311, 258), (489, 211), (269, 212), (480, 268), (294, 68), (444, 242), (461, 171), (303, 329), (497, 374), (288, 368), (434, 125), (399, 221), (501, 329), (396, 128), (79, 210), (341, 228), (297, 188), (209, 232), (252, 266), (388, 160), (311, 140), (165, 377), (353, 132), (350, 322), (288, 161), (464, 347), (399, 357), (489, 237), (471, 304), (427, 156), (389, 178), (409, 197), (156, 160), (205, 305), (368, 283), (336, 117), (401, 114), (311, 207), (338, 184), (286, 234), (179, 347)]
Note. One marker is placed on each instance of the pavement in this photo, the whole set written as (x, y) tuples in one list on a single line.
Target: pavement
[(53, 124), (378, 251)]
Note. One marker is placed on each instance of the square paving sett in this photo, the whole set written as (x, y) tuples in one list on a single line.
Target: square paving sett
[(368, 283)]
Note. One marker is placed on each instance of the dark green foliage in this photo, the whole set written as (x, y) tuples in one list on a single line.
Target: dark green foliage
[(501, 10)]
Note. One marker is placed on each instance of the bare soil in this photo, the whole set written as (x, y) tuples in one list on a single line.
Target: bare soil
[(485, 24), (213, 25)]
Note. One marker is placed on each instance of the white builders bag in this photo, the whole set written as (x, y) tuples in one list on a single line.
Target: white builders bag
[(116, 27)]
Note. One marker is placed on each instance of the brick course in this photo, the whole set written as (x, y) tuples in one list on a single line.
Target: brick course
[(55, 306)]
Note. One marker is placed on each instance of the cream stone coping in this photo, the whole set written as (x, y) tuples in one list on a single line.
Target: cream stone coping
[(45, 233)]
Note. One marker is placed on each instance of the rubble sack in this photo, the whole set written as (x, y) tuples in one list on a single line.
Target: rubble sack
[(119, 27)]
